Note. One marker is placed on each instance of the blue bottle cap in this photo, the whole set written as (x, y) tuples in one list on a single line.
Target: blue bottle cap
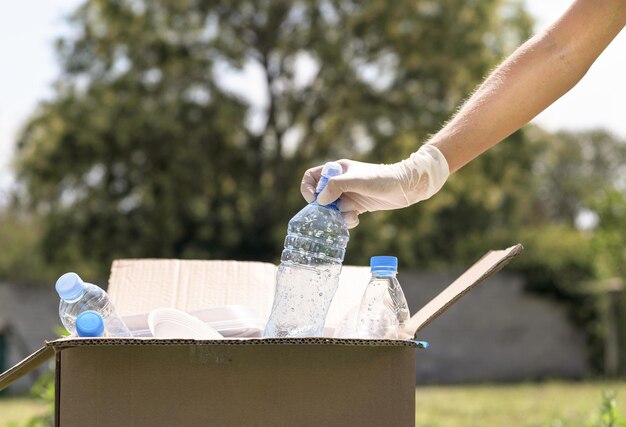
[(384, 264), (89, 324), (70, 286), (329, 170)]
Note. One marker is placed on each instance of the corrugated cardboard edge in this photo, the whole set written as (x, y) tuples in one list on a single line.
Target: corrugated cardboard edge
[(488, 265), (25, 366), (43, 354), (62, 343)]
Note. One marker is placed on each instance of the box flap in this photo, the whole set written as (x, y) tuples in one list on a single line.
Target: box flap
[(352, 283), (25, 366), (141, 285), (489, 264), (138, 286)]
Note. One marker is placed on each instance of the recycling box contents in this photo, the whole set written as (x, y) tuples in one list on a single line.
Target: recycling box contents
[(248, 381)]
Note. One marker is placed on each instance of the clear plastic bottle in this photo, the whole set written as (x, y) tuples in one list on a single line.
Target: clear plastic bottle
[(78, 296), (308, 274), (89, 324), (384, 310)]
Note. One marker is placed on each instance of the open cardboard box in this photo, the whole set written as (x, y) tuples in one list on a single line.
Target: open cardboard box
[(241, 382)]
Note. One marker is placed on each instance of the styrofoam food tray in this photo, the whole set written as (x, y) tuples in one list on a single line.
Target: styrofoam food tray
[(228, 320)]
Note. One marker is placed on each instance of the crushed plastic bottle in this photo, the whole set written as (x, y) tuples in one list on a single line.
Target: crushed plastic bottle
[(308, 274), (78, 296), (383, 311)]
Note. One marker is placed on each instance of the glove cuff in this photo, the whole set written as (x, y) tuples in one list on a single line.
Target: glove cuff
[(423, 173)]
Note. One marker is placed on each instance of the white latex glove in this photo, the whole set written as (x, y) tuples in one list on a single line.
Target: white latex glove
[(367, 187)]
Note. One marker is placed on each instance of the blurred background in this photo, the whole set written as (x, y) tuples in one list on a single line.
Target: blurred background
[(181, 129)]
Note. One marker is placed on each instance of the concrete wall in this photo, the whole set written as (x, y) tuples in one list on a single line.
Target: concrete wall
[(496, 332), (29, 315)]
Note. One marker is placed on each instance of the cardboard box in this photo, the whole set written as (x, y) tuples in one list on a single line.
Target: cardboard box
[(251, 382)]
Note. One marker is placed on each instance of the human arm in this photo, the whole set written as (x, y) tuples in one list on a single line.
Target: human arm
[(533, 77), (538, 73)]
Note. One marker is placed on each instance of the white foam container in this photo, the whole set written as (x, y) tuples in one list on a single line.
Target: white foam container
[(229, 320)]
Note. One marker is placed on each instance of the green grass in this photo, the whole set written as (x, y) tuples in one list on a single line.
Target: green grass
[(20, 409), (551, 404)]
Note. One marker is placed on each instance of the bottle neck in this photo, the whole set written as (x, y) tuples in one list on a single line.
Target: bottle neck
[(384, 274), (332, 205), (79, 296), (321, 184), (320, 187)]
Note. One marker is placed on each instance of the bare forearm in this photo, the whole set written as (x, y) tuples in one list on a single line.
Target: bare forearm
[(532, 78)]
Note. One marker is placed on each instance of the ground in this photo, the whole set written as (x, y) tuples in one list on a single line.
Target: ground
[(19, 410), (550, 404)]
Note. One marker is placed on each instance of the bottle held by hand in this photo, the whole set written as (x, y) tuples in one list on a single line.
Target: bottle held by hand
[(308, 274)]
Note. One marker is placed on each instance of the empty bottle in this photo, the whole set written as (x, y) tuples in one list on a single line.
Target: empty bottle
[(78, 296), (89, 324), (310, 264), (383, 311)]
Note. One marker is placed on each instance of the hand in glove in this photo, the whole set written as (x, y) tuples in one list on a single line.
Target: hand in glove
[(366, 187)]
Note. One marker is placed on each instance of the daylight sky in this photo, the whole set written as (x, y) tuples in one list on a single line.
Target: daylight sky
[(28, 29)]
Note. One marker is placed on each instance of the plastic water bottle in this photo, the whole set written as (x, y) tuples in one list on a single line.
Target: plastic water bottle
[(383, 310), (78, 296), (308, 274), (90, 324)]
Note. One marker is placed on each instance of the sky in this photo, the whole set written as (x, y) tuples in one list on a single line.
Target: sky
[(28, 29), (598, 99), (28, 66)]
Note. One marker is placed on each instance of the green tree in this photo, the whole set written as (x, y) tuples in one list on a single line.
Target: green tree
[(575, 168), (21, 260), (609, 237), (152, 147)]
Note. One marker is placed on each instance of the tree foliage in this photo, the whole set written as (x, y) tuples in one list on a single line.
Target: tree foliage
[(609, 237), (577, 167), (152, 145)]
